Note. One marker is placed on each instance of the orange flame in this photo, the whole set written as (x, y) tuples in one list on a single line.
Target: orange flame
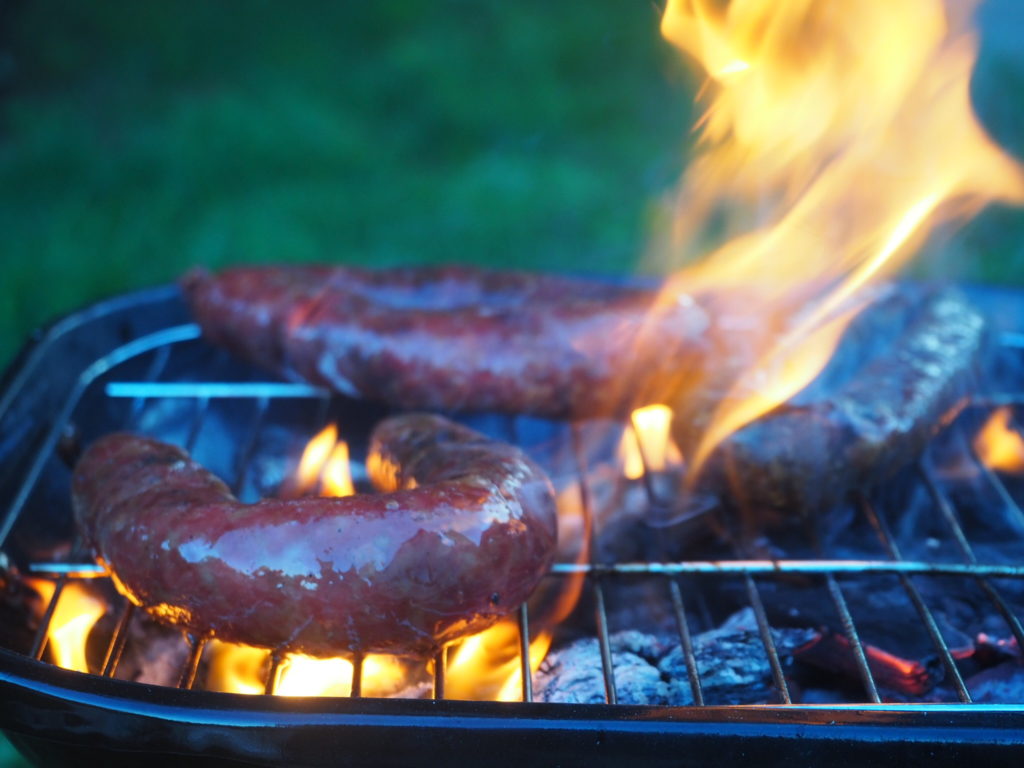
[(999, 445), (76, 613), (848, 127), (336, 479), (325, 459), (486, 666), (649, 439), (238, 668)]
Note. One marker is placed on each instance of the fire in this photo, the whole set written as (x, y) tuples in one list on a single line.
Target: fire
[(999, 445), (649, 439), (847, 127), (336, 479), (77, 612), (238, 668), (325, 460), (486, 666)]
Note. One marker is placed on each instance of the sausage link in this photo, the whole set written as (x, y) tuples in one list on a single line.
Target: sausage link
[(455, 338), (462, 533)]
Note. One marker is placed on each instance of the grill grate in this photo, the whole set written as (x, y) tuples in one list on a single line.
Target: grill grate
[(157, 349)]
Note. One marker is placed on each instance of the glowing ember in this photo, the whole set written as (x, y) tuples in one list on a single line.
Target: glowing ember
[(999, 445), (77, 612), (649, 439), (852, 135)]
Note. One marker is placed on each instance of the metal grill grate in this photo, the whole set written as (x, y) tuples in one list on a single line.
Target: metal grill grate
[(157, 348)]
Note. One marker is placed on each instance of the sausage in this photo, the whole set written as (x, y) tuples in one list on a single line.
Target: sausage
[(454, 338), (462, 532), (902, 372)]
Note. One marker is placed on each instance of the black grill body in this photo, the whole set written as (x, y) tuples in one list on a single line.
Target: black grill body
[(82, 371)]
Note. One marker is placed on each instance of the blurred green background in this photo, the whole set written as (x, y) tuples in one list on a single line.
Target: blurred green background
[(138, 139)]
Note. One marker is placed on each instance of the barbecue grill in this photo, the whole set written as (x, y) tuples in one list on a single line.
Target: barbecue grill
[(115, 364)]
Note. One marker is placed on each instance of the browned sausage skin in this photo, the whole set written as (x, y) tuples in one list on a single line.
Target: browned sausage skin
[(462, 535), (454, 338)]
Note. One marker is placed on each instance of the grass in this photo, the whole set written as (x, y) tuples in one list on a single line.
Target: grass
[(138, 140)]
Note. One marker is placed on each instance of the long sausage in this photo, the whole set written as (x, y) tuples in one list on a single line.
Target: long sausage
[(455, 338), (463, 531)]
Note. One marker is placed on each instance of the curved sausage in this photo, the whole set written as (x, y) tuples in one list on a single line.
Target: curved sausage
[(462, 533), (454, 338)]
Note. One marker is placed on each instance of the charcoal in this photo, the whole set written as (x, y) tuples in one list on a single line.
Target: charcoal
[(153, 653), (731, 662), (1002, 684)]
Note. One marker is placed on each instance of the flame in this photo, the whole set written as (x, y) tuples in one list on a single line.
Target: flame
[(325, 459), (486, 666), (649, 439), (847, 127), (999, 445), (77, 612), (236, 668)]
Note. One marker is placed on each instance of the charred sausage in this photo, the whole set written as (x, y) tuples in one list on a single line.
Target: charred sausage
[(904, 370), (460, 535), (454, 338)]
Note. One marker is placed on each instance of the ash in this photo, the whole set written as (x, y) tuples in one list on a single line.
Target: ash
[(648, 669)]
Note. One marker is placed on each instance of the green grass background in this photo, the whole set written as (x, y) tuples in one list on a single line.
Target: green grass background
[(138, 139)]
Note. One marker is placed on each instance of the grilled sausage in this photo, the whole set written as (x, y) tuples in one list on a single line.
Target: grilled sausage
[(453, 338), (904, 370), (463, 531)]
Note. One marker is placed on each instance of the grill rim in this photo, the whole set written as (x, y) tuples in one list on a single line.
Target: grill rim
[(34, 688)]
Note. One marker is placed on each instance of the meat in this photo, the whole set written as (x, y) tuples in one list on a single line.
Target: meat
[(462, 532), (454, 338), (904, 370), (458, 338)]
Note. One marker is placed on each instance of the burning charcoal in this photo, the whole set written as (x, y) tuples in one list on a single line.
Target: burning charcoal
[(731, 661)]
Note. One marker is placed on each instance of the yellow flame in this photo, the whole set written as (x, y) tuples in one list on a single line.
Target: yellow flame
[(845, 130), (487, 667), (236, 668), (76, 613), (314, 456), (999, 445), (649, 439), (336, 479)]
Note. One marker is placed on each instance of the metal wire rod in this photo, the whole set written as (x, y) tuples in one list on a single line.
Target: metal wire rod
[(686, 641), (885, 536), (524, 653), (850, 630)]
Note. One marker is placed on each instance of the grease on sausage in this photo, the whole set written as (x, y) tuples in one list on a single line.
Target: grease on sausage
[(462, 534)]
